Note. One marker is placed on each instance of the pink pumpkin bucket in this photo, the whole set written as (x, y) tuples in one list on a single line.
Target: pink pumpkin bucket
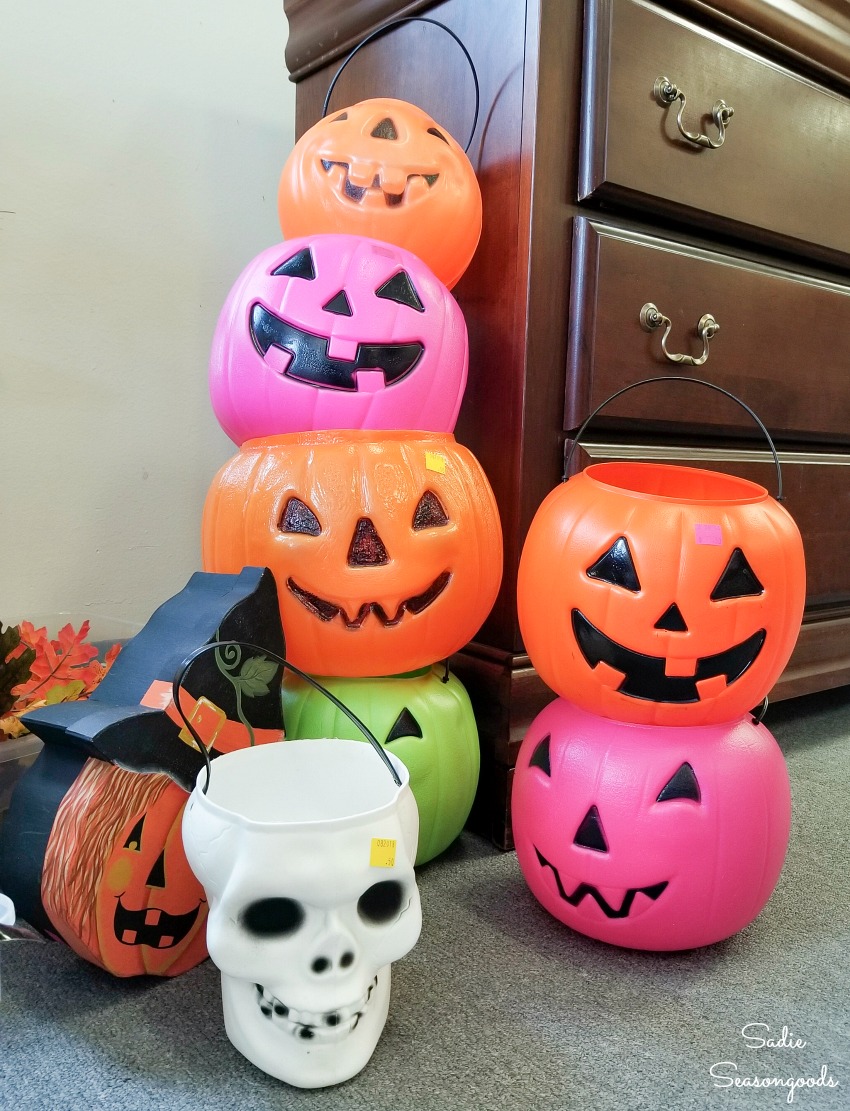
[(648, 837), (337, 331)]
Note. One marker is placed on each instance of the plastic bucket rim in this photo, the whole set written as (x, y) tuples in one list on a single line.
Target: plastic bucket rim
[(750, 492), (342, 436), (353, 818)]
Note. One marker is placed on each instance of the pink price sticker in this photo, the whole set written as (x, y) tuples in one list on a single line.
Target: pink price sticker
[(708, 534)]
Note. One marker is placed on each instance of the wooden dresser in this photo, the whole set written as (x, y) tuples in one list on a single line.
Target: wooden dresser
[(604, 216)]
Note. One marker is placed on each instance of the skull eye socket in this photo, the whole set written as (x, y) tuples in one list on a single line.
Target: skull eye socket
[(299, 517), (400, 288), (277, 917), (682, 785), (381, 903), (738, 579), (429, 513), (301, 265)]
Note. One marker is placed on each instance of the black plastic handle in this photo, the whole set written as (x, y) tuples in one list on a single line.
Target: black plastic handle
[(677, 378), (395, 23), (177, 686)]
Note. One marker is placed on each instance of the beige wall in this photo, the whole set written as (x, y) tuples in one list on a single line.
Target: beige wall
[(140, 147)]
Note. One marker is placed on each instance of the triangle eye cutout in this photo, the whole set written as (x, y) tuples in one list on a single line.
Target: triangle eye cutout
[(683, 785), (738, 580), (429, 512), (590, 834), (339, 305), (134, 841), (540, 756), (405, 725), (338, 119), (616, 567), (298, 517), (399, 288), (384, 130), (299, 266)]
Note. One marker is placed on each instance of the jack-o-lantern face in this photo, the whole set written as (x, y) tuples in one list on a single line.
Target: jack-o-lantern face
[(386, 551), (116, 883), (659, 594), (424, 719), (385, 169), (337, 331), (650, 838)]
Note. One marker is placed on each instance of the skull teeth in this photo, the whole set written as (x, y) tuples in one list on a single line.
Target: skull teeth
[(306, 1025)]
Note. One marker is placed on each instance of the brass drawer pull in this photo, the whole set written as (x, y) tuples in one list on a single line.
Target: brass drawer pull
[(665, 92), (651, 319)]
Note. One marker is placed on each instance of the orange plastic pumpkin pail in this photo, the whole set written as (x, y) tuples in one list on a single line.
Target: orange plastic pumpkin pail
[(661, 594), (386, 547), (385, 169)]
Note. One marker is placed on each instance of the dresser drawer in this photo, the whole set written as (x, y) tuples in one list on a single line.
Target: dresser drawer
[(783, 344), (816, 492), (781, 173)]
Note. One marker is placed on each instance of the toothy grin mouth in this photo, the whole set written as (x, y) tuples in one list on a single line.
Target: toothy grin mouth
[(324, 1026), (645, 676), (356, 193), (327, 611), (583, 889), (311, 363), (152, 926)]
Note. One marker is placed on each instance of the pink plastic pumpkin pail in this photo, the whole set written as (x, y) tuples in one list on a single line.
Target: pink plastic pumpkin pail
[(650, 837), (337, 331)]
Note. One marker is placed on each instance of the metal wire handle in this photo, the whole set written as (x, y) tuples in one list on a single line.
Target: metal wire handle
[(177, 686), (395, 23), (678, 378)]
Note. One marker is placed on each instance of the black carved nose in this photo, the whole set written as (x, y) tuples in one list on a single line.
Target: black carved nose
[(339, 305), (385, 129), (590, 834), (672, 621), (367, 548)]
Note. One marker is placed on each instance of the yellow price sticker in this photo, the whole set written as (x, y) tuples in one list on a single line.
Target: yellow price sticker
[(382, 852), (435, 462)]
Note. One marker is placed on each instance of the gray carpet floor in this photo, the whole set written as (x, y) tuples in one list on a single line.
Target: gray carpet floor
[(499, 1006)]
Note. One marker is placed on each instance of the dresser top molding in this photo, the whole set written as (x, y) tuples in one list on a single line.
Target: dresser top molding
[(813, 32)]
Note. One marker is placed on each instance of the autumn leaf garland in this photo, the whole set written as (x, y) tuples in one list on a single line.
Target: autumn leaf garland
[(36, 670)]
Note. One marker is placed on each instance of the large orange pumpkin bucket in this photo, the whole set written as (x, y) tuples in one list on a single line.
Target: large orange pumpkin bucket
[(661, 594)]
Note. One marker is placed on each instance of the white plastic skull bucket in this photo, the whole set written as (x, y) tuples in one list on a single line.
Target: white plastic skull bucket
[(306, 850)]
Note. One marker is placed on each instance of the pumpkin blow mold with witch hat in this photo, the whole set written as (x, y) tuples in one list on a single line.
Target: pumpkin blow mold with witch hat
[(337, 331), (385, 169), (650, 838), (386, 547), (91, 849), (661, 594)]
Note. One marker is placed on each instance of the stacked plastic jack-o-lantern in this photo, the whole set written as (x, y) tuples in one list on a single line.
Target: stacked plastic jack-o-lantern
[(660, 603), (338, 366)]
